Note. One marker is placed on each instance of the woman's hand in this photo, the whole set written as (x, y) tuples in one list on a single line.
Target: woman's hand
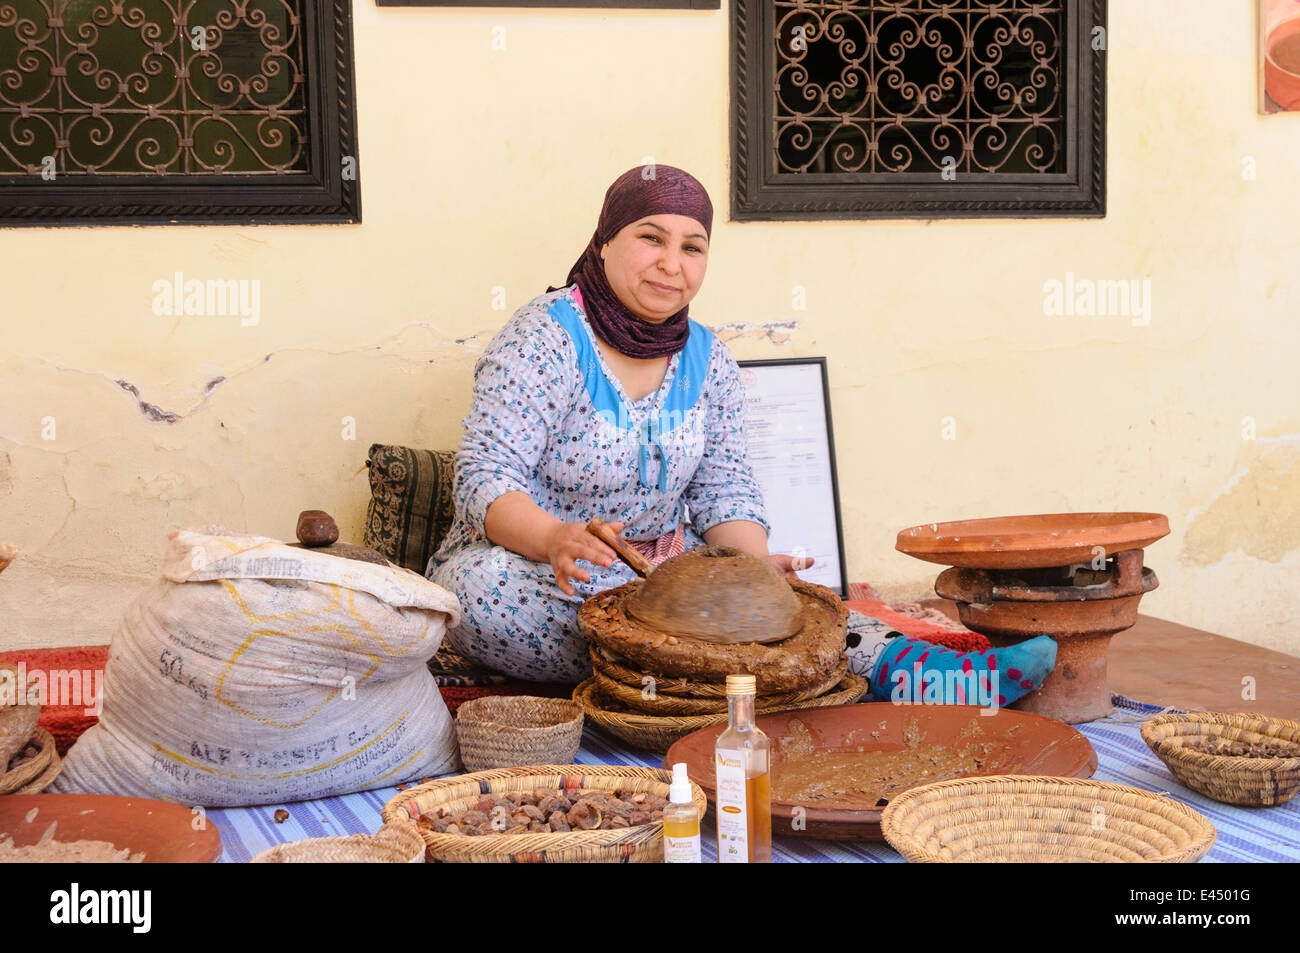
[(566, 543), (752, 538), (789, 565)]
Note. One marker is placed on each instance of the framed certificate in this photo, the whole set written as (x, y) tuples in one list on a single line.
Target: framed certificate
[(792, 452)]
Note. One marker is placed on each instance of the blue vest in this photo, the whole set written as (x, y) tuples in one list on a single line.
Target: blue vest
[(683, 392)]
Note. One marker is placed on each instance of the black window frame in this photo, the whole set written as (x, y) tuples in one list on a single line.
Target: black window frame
[(759, 193), (322, 195), (563, 4)]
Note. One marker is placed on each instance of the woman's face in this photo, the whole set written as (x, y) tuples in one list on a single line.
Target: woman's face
[(656, 265)]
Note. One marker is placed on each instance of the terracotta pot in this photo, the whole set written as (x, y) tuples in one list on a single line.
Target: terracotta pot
[(1010, 607), (1283, 84), (1038, 541)]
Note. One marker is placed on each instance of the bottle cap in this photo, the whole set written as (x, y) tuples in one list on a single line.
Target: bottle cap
[(742, 685), (680, 790)]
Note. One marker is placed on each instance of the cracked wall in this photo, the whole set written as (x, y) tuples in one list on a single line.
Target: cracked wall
[(932, 329)]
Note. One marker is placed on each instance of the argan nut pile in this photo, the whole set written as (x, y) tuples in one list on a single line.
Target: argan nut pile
[(548, 812)]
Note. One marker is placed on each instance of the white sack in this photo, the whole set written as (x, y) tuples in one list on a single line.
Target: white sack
[(260, 673)]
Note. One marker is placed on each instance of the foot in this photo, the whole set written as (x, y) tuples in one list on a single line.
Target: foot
[(912, 670)]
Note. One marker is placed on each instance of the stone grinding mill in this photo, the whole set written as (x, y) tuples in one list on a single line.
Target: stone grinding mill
[(1077, 577)]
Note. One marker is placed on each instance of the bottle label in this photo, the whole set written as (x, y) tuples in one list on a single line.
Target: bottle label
[(682, 850), (733, 812)]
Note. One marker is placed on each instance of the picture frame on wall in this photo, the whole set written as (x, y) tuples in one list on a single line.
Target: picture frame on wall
[(792, 453), (1279, 56)]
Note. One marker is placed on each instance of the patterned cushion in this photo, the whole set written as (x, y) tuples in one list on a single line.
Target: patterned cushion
[(411, 504)]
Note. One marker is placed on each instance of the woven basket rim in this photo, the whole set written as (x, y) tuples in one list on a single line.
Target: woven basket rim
[(388, 837), (478, 722), (672, 687), (621, 692), (52, 771), (47, 756), (1223, 763), (848, 684), (1201, 830), (535, 842)]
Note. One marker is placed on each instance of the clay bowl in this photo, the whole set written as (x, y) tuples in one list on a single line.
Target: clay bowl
[(163, 831), (1282, 84), (1031, 542), (1025, 744)]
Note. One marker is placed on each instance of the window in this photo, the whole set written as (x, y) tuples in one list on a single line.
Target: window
[(918, 109), (216, 111)]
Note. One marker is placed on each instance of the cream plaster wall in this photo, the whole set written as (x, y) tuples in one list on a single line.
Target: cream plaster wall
[(483, 169)]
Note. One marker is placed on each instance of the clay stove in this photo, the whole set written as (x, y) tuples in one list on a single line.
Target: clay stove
[(1077, 577)]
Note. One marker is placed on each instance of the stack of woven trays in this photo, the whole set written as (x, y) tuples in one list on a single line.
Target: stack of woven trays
[(654, 681), (652, 712)]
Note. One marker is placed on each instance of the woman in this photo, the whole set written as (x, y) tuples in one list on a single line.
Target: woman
[(603, 399)]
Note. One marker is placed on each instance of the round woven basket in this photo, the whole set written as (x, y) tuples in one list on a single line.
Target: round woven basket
[(658, 732), (655, 703), (1011, 819), (640, 844), (396, 843), (34, 776), (1249, 782), (502, 731)]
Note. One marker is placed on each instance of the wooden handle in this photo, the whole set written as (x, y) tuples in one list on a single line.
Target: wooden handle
[(640, 565)]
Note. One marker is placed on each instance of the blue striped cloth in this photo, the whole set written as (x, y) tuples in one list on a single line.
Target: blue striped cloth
[(1244, 834)]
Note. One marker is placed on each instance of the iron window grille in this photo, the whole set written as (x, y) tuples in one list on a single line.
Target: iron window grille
[(154, 112), (918, 109)]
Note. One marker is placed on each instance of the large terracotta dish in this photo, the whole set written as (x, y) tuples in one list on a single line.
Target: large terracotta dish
[(1031, 542), (1023, 744), (163, 831)]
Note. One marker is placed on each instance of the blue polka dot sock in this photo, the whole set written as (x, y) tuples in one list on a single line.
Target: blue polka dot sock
[(916, 671)]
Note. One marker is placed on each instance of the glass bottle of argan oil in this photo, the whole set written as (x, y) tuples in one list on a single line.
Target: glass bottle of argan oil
[(681, 821), (742, 760)]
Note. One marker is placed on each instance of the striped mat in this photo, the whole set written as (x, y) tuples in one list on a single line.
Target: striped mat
[(1244, 834)]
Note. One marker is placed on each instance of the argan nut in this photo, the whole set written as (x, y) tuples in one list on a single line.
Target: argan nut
[(317, 528), (281, 816)]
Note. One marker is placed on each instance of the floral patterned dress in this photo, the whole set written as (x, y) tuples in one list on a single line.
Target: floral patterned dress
[(551, 420)]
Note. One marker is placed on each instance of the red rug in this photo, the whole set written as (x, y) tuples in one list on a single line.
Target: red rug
[(961, 640), (67, 722), (64, 722)]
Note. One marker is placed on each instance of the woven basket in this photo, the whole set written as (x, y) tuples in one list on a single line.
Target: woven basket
[(1249, 782), (35, 775), (502, 731), (658, 732), (640, 844), (659, 704), (618, 669), (1009, 819), (398, 843)]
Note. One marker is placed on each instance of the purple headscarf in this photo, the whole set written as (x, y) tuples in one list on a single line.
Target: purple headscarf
[(637, 193)]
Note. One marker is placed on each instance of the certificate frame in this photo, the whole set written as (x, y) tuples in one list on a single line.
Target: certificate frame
[(758, 367)]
